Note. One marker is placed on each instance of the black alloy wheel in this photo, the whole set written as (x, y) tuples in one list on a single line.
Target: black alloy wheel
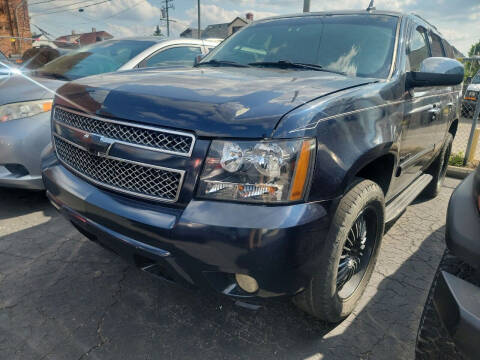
[(356, 254)]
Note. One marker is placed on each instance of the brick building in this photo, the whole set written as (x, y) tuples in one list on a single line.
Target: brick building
[(14, 22)]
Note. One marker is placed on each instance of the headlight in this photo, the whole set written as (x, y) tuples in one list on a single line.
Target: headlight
[(266, 171), (22, 110)]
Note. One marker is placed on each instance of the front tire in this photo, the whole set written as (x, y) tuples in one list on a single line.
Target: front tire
[(346, 263)]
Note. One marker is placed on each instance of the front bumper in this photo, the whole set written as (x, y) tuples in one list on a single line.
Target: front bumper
[(203, 244), (463, 224), (458, 301), (458, 305), (21, 143), (468, 106)]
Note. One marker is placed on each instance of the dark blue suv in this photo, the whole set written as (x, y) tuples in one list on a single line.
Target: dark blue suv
[(271, 167)]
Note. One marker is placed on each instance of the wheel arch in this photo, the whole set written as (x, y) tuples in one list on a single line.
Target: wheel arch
[(377, 165)]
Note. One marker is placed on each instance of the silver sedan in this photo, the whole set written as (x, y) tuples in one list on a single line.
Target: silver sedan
[(26, 98)]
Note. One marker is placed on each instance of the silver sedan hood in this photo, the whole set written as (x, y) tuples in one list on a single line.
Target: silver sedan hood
[(20, 88)]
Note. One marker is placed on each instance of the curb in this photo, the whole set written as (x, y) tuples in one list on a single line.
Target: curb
[(458, 172)]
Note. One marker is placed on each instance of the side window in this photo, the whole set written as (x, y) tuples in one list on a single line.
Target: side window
[(436, 45), (418, 50), (180, 55)]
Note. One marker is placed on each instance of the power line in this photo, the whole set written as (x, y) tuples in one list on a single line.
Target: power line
[(93, 20), (124, 10), (45, 1), (66, 10), (63, 6)]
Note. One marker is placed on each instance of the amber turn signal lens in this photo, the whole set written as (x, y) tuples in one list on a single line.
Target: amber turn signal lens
[(301, 172), (47, 106)]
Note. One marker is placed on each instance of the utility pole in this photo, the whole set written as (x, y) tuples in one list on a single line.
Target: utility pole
[(198, 9), (168, 5), (306, 5)]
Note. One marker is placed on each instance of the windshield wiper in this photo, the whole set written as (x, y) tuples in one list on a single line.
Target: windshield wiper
[(286, 64), (215, 62)]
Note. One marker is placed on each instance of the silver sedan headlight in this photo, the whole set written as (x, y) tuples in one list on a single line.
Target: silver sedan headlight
[(275, 171), (25, 109)]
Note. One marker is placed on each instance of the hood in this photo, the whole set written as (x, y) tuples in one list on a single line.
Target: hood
[(220, 102), (20, 88)]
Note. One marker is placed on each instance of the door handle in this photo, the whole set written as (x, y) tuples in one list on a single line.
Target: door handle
[(434, 112)]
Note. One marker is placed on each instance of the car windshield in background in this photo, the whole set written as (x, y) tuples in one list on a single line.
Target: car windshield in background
[(476, 78), (357, 45), (96, 59)]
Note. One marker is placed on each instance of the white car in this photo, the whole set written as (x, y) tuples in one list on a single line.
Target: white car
[(177, 52), (470, 97)]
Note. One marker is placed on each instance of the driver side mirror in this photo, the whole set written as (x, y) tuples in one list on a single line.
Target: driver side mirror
[(198, 58), (436, 71)]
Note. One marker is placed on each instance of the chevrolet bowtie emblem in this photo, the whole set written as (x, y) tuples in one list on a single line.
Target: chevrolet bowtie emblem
[(96, 144)]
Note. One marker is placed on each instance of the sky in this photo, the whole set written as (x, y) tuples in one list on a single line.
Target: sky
[(457, 20)]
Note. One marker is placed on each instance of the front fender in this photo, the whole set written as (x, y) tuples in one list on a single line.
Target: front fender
[(352, 128)]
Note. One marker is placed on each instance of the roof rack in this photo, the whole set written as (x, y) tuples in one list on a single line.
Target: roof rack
[(425, 21)]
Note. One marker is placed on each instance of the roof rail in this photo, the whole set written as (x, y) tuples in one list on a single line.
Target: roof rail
[(425, 21)]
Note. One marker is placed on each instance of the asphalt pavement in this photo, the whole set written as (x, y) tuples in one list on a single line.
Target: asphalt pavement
[(64, 297)]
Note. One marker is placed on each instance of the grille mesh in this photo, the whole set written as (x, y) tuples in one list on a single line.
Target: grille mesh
[(156, 139), (122, 176)]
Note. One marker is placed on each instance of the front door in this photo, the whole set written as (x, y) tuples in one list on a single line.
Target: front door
[(422, 114)]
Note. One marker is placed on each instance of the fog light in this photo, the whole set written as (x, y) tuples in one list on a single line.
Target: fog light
[(247, 283)]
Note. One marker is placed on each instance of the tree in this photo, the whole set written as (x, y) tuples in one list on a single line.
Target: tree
[(157, 31), (472, 66)]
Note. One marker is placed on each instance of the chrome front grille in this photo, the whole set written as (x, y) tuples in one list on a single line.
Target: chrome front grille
[(136, 179), (162, 140)]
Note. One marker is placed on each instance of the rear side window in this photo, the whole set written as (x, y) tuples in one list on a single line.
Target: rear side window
[(418, 50), (436, 45)]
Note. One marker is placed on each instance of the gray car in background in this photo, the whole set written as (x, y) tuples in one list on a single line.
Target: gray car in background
[(26, 99)]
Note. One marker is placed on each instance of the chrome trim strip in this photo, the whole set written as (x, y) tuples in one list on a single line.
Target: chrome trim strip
[(134, 125), (114, 188), (412, 159), (315, 124)]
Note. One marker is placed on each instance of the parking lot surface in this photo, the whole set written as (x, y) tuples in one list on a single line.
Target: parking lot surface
[(63, 297)]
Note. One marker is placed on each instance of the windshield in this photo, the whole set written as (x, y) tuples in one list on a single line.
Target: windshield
[(96, 59), (357, 45), (476, 78)]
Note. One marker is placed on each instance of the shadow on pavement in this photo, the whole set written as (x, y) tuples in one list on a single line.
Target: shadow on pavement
[(65, 297), (15, 202)]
